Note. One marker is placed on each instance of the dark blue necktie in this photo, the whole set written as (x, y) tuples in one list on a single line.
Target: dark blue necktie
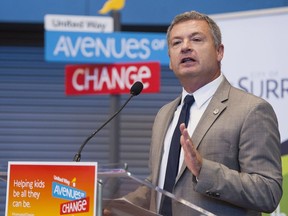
[(173, 158)]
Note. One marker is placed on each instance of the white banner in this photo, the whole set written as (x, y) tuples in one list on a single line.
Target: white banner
[(256, 56)]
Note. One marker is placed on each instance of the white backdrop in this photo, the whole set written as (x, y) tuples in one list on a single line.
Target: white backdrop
[(256, 56)]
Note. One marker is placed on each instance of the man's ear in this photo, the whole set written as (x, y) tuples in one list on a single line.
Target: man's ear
[(170, 65), (220, 52), (169, 61)]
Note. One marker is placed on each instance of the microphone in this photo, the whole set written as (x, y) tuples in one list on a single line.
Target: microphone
[(135, 90)]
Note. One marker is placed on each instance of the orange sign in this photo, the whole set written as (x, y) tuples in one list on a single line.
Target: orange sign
[(48, 188)]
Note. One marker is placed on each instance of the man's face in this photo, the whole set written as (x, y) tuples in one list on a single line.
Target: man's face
[(192, 52)]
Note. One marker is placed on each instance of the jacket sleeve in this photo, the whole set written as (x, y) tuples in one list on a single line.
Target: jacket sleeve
[(257, 182)]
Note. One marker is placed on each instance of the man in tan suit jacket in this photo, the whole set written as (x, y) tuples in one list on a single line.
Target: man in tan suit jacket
[(232, 158)]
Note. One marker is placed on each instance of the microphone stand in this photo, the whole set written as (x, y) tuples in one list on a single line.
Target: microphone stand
[(77, 156)]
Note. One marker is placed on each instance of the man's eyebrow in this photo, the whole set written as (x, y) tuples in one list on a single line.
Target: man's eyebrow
[(197, 33), (190, 35)]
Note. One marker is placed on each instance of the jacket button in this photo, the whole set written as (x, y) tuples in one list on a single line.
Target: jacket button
[(209, 193), (213, 194)]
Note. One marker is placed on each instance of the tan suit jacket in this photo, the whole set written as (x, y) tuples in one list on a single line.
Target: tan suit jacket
[(239, 141)]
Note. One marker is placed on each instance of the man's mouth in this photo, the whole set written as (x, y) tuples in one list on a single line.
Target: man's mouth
[(188, 59)]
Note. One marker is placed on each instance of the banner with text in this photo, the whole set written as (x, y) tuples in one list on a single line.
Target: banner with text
[(112, 79), (116, 47), (72, 23), (50, 188)]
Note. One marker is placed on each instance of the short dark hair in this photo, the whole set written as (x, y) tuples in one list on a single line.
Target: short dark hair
[(194, 15)]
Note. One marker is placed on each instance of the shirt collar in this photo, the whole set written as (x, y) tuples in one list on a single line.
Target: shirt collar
[(204, 93)]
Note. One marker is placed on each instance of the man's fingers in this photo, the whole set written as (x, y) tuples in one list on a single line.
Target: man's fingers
[(182, 127)]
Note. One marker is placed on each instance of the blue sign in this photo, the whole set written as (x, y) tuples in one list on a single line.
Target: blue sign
[(65, 192), (116, 47)]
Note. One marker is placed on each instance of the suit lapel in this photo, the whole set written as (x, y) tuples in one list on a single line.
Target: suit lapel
[(214, 109), (165, 119)]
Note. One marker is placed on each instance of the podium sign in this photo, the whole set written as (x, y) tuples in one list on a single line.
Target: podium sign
[(51, 188)]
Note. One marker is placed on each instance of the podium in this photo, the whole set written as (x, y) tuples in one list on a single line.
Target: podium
[(120, 189), (118, 192)]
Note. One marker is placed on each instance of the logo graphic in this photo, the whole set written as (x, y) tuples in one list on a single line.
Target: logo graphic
[(113, 78), (102, 48), (75, 206), (112, 5), (77, 200), (73, 182)]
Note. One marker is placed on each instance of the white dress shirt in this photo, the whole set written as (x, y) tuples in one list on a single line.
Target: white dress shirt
[(202, 98)]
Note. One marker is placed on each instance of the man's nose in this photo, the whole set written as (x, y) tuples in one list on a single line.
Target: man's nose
[(186, 46)]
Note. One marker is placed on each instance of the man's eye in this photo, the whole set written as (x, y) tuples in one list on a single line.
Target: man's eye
[(175, 43), (197, 39)]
